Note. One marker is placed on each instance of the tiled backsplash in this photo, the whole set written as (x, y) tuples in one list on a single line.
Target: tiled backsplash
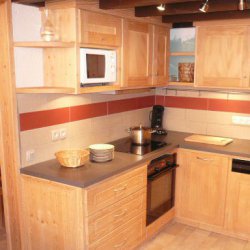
[(205, 112), (98, 118), (88, 119)]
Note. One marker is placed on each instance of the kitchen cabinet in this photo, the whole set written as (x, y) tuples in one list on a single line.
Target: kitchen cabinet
[(202, 187), (160, 56), (110, 214), (238, 204), (53, 67), (222, 58), (100, 29), (137, 54)]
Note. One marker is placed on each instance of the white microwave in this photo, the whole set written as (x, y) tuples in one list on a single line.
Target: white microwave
[(97, 66)]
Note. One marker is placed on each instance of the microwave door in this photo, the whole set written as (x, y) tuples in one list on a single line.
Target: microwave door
[(95, 66)]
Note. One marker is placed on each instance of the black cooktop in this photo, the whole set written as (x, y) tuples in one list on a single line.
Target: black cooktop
[(126, 146)]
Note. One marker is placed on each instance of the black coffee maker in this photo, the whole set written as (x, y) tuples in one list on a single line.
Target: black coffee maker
[(156, 117)]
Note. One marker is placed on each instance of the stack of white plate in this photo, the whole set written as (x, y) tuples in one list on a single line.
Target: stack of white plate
[(101, 152)]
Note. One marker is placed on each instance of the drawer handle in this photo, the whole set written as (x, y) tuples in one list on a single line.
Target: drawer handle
[(204, 159), (121, 214), (121, 244), (120, 189)]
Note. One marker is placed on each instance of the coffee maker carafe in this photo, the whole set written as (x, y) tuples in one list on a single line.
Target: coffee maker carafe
[(157, 119)]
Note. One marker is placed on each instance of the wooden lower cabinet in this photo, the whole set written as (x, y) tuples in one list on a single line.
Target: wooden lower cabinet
[(127, 237), (238, 204), (202, 187), (108, 215)]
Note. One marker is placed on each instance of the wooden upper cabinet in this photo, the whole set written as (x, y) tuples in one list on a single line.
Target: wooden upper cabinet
[(137, 54), (160, 55), (238, 204), (100, 29), (203, 187), (223, 56)]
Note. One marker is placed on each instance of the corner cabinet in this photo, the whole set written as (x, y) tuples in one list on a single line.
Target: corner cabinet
[(108, 215), (202, 187), (223, 56)]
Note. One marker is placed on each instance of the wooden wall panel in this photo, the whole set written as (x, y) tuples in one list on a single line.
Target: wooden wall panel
[(9, 152)]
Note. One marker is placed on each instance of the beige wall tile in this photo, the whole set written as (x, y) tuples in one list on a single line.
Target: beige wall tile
[(213, 95), (241, 96), (196, 115), (230, 131), (196, 127), (160, 91)]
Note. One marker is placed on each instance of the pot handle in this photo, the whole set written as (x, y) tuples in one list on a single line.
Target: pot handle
[(152, 131)]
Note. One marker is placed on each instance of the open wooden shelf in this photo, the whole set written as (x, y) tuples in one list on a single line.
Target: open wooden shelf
[(181, 84), (42, 44), (182, 54), (45, 90)]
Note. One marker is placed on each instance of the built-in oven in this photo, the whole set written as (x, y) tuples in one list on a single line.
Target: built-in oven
[(160, 186)]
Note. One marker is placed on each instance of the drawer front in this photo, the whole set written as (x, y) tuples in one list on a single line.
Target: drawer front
[(128, 237), (116, 215), (109, 192)]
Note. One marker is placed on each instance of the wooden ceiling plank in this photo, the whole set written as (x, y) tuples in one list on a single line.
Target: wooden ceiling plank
[(123, 4), (186, 8), (206, 16)]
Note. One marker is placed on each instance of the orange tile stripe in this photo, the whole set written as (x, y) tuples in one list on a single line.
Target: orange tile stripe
[(236, 106), (39, 119), (44, 118)]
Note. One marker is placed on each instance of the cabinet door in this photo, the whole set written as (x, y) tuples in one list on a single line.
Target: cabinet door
[(161, 55), (203, 187), (137, 53), (222, 56), (238, 204), (100, 29)]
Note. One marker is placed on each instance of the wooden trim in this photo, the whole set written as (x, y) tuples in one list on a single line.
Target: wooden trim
[(223, 22), (9, 141), (182, 53), (41, 44), (221, 15)]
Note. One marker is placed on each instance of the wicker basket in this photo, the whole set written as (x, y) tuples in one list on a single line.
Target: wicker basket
[(72, 158), (186, 72)]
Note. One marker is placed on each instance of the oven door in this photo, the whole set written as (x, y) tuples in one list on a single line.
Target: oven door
[(160, 193)]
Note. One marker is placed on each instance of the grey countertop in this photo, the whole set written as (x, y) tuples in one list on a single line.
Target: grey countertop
[(92, 173)]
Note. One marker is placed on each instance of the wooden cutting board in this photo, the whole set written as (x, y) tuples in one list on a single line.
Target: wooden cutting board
[(220, 141)]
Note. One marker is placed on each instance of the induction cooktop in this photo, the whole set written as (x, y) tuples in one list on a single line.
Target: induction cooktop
[(125, 145)]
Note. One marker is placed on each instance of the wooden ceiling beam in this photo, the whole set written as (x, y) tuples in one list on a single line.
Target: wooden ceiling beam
[(123, 4), (236, 14), (187, 8), (36, 3)]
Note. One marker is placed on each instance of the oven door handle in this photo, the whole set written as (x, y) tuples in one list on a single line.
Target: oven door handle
[(162, 172)]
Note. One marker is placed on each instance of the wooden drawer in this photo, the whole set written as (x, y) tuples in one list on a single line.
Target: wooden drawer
[(116, 215), (128, 237), (109, 192)]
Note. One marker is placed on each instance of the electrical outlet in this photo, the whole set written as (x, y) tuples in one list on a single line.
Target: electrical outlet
[(55, 135), (241, 120), (63, 133), (30, 155)]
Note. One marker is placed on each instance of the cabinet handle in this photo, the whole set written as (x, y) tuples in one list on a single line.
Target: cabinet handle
[(121, 214), (121, 244), (204, 159), (120, 189)]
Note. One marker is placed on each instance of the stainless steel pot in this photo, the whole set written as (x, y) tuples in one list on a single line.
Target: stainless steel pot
[(140, 135)]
